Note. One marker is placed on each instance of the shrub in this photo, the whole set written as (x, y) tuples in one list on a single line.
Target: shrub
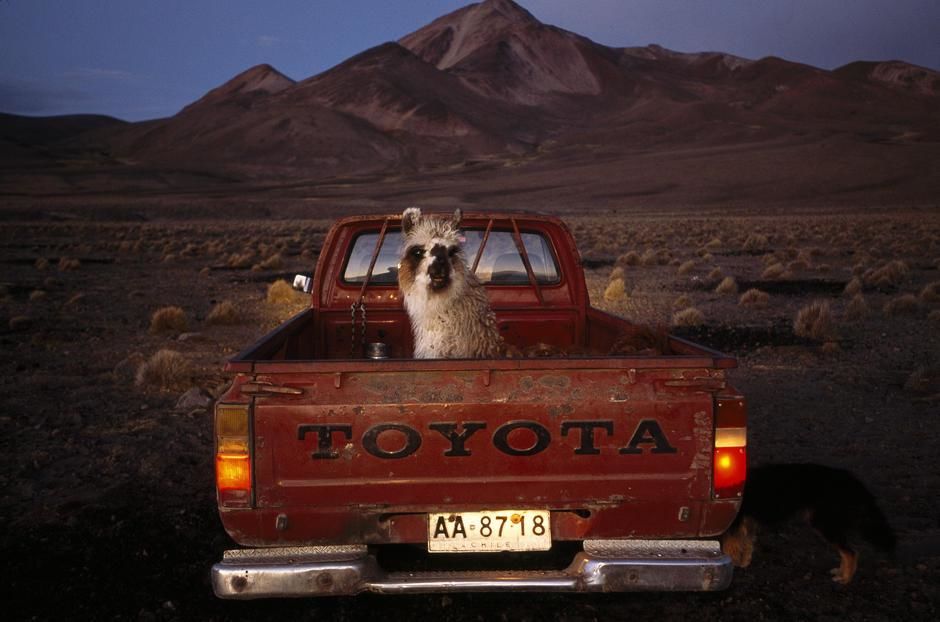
[(67, 264), (931, 292), (686, 267), (42, 263), (773, 271), (727, 286), (616, 273), (223, 313), (814, 321), (682, 302), (168, 319), (904, 304), (715, 275), (166, 370), (615, 291), (754, 298), (630, 258), (280, 292), (853, 287), (755, 241), (857, 308), (688, 317), (891, 274)]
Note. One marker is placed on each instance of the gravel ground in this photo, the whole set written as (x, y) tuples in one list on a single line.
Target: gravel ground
[(107, 493)]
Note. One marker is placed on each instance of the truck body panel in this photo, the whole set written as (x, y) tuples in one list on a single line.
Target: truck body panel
[(347, 451)]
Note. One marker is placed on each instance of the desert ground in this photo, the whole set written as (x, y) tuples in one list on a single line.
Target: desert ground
[(107, 495)]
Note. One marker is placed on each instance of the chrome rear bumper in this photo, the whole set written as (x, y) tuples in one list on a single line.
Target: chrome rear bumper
[(603, 566)]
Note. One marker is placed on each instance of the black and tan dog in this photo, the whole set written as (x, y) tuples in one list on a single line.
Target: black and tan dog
[(834, 501)]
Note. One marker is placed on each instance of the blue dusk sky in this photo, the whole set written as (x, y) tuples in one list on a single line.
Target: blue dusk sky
[(141, 59)]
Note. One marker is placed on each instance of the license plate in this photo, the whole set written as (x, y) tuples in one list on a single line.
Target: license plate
[(491, 531)]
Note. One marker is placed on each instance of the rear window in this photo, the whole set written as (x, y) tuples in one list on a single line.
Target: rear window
[(501, 263)]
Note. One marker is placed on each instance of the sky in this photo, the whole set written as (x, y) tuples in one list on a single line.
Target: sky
[(142, 59)]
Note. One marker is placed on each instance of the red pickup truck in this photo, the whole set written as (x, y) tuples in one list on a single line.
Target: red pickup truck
[(334, 446)]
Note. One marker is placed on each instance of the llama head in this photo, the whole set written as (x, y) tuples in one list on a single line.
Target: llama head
[(432, 260)]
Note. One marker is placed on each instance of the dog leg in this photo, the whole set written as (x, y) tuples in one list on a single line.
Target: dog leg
[(847, 566), (738, 542)]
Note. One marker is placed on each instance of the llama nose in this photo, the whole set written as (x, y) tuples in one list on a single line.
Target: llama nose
[(439, 265)]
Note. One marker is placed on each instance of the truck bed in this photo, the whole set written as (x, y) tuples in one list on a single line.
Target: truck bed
[(603, 463)]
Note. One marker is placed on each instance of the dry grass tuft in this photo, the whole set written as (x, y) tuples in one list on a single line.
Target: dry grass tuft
[(67, 264), (853, 287), (630, 258), (20, 322), (891, 274), (167, 370), (857, 309), (830, 347), (814, 321), (223, 313), (773, 271), (682, 302), (902, 305), (242, 261), (755, 242), (168, 319), (715, 275), (36, 295), (727, 286), (686, 267), (754, 299), (930, 293), (616, 273), (280, 292), (616, 290), (688, 317), (42, 263), (75, 300)]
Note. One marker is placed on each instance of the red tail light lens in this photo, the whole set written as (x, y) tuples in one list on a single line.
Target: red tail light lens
[(729, 467), (232, 455)]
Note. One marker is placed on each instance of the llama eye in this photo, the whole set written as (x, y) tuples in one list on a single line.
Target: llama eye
[(417, 252)]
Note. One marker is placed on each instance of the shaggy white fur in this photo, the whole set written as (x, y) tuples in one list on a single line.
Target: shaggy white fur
[(448, 308)]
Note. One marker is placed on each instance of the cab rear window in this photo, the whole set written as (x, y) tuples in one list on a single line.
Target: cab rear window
[(500, 264)]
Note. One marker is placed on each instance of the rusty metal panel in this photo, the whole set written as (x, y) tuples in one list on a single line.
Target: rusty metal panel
[(586, 440)]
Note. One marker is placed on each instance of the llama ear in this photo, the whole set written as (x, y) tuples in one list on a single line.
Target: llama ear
[(458, 216), (409, 218)]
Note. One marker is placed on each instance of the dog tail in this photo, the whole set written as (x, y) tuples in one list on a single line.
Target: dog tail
[(876, 529)]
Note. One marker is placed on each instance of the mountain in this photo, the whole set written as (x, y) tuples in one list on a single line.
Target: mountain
[(255, 82), (487, 103)]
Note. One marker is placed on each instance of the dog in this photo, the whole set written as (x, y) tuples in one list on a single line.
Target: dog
[(834, 502), (448, 307)]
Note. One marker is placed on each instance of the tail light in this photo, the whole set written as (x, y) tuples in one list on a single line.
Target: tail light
[(729, 466), (232, 455)]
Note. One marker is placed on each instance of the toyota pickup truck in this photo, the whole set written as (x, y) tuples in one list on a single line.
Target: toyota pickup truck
[(575, 466)]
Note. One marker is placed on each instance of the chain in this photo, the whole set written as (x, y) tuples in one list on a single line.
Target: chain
[(362, 334), (352, 328), (352, 331)]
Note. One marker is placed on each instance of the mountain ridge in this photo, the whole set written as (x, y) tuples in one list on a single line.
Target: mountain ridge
[(490, 83)]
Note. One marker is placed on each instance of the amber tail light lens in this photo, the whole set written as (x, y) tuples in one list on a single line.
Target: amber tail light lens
[(729, 466), (232, 455)]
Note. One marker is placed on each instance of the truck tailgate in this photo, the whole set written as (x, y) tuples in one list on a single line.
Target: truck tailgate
[(363, 457)]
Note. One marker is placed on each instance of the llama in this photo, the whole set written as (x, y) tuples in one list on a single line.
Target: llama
[(448, 308)]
